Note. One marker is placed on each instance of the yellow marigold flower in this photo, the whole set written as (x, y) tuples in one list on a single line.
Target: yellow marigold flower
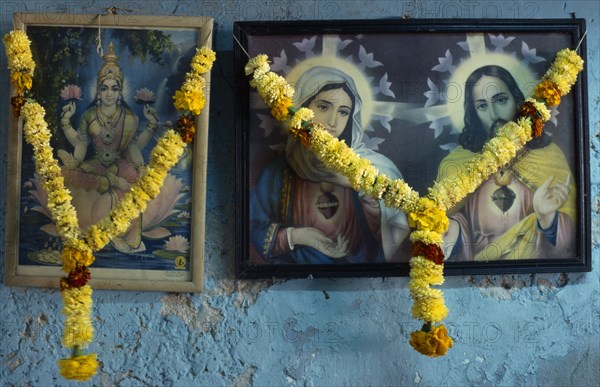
[(152, 181), (434, 343), (81, 367), (429, 216), (21, 81), (72, 258), (484, 163), (272, 86), (369, 176), (189, 101), (78, 330), (419, 290), (564, 70), (140, 197), (429, 309), (95, 238), (77, 307), (203, 60), (281, 107), (399, 195), (18, 52), (540, 108), (33, 111), (302, 115), (380, 187), (426, 236), (76, 298), (424, 269), (519, 132), (465, 185), (358, 170), (259, 65), (548, 91), (122, 221), (193, 83), (502, 147), (60, 195)]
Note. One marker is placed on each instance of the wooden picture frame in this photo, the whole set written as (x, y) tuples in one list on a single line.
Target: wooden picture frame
[(84, 63), (407, 89)]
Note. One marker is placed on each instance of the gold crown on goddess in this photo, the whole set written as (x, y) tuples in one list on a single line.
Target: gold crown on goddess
[(110, 69)]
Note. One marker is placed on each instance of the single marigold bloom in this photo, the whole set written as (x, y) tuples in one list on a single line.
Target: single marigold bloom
[(72, 258), (77, 278), (434, 342), (302, 135), (549, 92), (527, 109), (81, 367), (17, 103), (537, 127), (428, 217), (22, 81), (432, 252), (281, 107), (186, 128), (192, 101)]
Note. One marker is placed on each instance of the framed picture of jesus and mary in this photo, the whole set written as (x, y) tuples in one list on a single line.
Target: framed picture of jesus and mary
[(418, 99)]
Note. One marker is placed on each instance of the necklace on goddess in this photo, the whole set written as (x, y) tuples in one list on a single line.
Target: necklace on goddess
[(108, 124)]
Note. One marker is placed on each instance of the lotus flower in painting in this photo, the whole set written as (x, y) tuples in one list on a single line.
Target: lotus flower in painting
[(92, 206), (177, 243), (144, 95), (71, 93)]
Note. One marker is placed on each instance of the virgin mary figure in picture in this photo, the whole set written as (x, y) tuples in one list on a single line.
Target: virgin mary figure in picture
[(303, 213)]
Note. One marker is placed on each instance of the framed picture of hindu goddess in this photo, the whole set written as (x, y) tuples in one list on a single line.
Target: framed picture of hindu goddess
[(106, 83), (418, 99)]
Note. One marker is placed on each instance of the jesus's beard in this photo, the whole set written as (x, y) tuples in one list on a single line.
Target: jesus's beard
[(495, 126)]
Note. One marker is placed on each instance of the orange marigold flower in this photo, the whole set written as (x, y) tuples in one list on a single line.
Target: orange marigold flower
[(77, 278), (537, 127), (549, 92), (81, 367), (186, 128), (22, 81), (281, 107), (432, 252), (302, 135), (434, 342), (17, 103), (527, 109)]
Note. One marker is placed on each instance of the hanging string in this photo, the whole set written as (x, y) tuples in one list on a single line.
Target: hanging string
[(110, 11), (99, 49), (581, 40), (240, 44)]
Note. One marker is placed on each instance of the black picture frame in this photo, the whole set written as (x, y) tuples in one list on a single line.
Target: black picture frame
[(393, 53)]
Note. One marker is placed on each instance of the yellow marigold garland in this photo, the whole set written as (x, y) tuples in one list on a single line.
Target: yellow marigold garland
[(426, 215), (77, 255)]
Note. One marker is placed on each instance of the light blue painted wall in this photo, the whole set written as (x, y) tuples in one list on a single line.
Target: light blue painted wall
[(509, 330)]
